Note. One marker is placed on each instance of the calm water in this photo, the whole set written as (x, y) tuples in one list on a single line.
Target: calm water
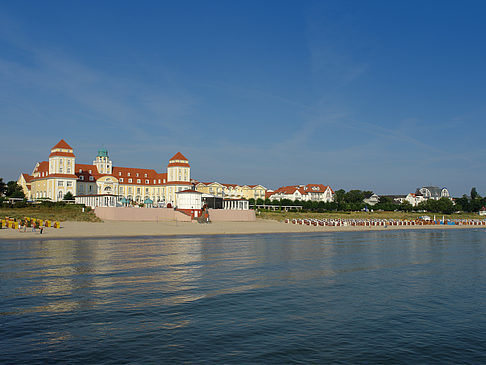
[(379, 297)]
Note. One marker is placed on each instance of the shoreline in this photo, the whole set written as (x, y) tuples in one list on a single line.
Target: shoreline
[(118, 229)]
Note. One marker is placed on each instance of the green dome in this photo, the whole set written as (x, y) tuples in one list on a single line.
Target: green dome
[(102, 153)]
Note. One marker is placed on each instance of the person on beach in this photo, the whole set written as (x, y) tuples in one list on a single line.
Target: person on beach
[(41, 229)]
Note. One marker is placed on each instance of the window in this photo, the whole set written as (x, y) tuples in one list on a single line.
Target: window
[(164, 181), (119, 174), (121, 179), (60, 183), (129, 190), (146, 190), (80, 170), (128, 174), (90, 188), (68, 170), (91, 178), (60, 169), (138, 190), (89, 171), (138, 180), (145, 175), (121, 190), (69, 162), (69, 183), (81, 177), (155, 182), (129, 180), (147, 182), (137, 174), (159, 181)]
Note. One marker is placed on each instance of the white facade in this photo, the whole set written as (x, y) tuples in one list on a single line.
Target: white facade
[(236, 204), (310, 192), (415, 199), (189, 199), (93, 201)]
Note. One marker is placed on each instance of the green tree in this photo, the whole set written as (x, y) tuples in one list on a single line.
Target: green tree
[(445, 205), (354, 196), (406, 206), (3, 187), (14, 190), (474, 194), (68, 196), (463, 203)]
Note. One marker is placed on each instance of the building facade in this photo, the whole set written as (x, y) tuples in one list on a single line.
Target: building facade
[(232, 191), (309, 192), (61, 174)]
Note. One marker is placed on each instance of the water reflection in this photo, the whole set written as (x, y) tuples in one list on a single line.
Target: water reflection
[(62, 292)]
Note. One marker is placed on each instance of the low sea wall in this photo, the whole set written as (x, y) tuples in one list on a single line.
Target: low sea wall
[(140, 214), (224, 215), (169, 214)]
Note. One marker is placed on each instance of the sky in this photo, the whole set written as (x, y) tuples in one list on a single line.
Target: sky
[(385, 96)]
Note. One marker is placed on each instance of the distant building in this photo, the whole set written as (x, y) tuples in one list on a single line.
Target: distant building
[(231, 191), (372, 200), (433, 192), (415, 199), (482, 211), (309, 192)]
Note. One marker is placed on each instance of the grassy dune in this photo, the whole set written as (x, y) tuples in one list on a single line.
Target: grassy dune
[(280, 216), (66, 213)]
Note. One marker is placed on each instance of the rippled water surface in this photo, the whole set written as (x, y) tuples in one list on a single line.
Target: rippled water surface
[(375, 297)]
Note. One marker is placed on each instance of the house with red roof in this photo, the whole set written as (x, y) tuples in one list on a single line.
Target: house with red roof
[(61, 174), (309, 192)]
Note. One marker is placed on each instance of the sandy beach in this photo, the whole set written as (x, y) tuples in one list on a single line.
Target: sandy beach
[(134, 229)]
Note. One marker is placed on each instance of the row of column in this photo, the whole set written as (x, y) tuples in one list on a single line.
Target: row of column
[(235, 204)]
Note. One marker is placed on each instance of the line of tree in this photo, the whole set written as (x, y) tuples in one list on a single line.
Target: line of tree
[(353, 201), (472, 203)]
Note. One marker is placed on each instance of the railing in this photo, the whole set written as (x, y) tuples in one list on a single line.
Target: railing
[(276, 207)]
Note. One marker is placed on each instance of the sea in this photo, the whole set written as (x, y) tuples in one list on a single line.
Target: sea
[(396, 297)]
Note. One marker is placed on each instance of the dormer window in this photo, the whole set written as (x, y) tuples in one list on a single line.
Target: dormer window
[(128, 174), (138, 180), (121, 179), (129, 180), (91, 178), (119, 174), (137, 174), (80, 170), (81, 177), (89, 171), (145, 175), (147, 182)]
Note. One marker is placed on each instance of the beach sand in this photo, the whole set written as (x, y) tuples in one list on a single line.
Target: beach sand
[(134, 229)]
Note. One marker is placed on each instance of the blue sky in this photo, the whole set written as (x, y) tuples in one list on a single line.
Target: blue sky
[(377, 95)]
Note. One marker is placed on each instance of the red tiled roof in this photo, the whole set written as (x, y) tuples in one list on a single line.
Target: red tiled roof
[(62, 144), (178, 156), (62, 154), (188, 191), (28, 178), (288, 190)]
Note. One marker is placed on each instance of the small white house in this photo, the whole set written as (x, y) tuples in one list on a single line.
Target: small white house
[(189, 199), (482, 211)]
